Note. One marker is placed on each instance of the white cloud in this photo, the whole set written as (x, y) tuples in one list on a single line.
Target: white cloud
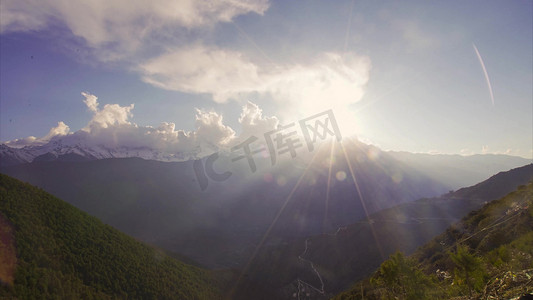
[(23, 142), (91, 101), (221, 73), (132, 31), (254, 123), (332, 80), (59, 131), (111, 127), (150, 36), (119, 27), (211, 129), (110, 115)]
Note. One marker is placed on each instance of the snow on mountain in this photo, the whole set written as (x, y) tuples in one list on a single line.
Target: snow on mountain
[(57, 149), (111, 134)]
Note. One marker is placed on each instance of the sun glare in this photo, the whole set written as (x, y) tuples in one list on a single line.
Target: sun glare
[(344, 115)]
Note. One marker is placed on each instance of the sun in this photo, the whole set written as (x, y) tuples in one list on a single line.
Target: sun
[(310, 92), (344, 116)]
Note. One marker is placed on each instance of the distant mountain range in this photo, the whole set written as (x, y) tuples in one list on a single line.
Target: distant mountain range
[(80, 150), (282, 220), (459, 171), (161, 202), (453, 171)]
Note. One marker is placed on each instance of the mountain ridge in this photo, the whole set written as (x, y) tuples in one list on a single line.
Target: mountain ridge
[(161, 202), (354, 250), (458, 170), (55, 149), (496, 241)]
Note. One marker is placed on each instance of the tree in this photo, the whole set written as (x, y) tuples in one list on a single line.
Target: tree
[(401, 277), (467, 268)]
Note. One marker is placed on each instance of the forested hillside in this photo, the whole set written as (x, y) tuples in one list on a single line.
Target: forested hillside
[(488, 254), (64, 253)]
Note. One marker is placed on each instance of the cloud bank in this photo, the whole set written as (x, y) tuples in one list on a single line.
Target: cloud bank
[(111, 127), (58, 131), (118, 28), (228, 74)]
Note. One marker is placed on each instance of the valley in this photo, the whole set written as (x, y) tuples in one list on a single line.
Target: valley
[(317, 233)]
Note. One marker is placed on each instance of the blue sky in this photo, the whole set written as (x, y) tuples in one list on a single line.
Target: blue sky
[(401, 75)]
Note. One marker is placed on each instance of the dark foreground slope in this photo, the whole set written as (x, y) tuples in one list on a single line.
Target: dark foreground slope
[(488, 255), (64, 253)]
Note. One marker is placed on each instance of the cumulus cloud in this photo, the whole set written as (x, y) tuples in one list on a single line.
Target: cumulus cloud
[(254, 123), (211, 129), (111, 114), (111, 127), (58, 131), (91, 101)]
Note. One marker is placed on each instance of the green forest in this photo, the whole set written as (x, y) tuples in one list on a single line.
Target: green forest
[(51, 250)]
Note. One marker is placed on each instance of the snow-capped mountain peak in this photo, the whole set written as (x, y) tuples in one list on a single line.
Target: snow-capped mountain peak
[(58, 149)]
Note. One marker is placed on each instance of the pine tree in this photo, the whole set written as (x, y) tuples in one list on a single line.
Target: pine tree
[(466, 267)]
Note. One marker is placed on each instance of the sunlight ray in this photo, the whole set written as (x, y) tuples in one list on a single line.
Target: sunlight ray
[(388, 92), (378, 245), (274, 221), (249, 39), (328, 187), (347, 35)]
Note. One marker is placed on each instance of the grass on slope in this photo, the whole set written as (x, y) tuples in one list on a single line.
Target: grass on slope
[(488, 254)]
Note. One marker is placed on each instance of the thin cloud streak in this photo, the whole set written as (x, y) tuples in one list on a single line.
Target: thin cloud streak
[(484, 72)]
